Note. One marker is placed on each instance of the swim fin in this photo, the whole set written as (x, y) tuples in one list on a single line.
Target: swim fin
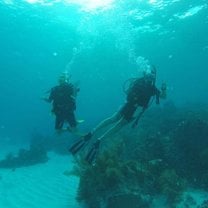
[(78, 145), (92, 154), (79, 121)]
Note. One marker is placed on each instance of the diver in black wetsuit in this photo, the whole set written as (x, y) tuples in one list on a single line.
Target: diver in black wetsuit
[(63, 100), (139, 94)]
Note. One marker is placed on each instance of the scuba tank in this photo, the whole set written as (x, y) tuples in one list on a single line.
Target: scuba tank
[(128, 84)]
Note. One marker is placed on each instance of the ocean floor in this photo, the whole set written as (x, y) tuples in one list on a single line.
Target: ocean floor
[(39, 186), (190, 199), (46, 186)]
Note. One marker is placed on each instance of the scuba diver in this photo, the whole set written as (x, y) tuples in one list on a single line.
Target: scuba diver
[(63, 99), (139, 94)]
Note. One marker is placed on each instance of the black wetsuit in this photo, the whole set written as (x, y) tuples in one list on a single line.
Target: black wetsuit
[(64, 104), (139, 94)]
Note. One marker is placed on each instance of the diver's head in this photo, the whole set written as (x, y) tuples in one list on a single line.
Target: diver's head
[(63, 78), (150, 75)]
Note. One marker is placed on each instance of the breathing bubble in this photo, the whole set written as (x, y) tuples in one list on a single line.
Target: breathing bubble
[(75, 50), (143, 64)]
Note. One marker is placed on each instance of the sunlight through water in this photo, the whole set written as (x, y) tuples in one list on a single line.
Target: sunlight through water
[(92, 4), (87, 5)]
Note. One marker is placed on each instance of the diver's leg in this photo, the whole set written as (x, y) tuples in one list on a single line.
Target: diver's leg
[(125, 116), (73, 124), (81, 143), (115, 117), (59, 123), (114, 129), (93, 152)]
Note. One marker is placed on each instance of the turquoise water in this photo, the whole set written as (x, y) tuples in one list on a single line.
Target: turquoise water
[(100, 44)]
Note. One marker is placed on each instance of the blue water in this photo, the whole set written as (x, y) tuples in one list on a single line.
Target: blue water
[(99, 47)]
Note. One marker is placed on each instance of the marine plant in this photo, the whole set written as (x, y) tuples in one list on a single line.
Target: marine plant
[(112, 176), (189, 147), (204, 204), (171, 185), (162, 161), (96, 182)]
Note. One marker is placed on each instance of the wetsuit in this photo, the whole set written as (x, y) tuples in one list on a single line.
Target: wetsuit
[(64, 104), (139, 94)]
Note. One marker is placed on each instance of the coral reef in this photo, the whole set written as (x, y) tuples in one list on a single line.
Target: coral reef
[(165, 155), (188, 152), (204, 204), (171, 185), (127, 200), (111, 178), (35, 155)]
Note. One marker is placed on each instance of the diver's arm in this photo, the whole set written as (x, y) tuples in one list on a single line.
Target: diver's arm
[(76, 89), (46, 99), (160, 93), (49, 98)]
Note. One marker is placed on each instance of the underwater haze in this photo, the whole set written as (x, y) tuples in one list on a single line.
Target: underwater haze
[(101, 43), (98, 43)]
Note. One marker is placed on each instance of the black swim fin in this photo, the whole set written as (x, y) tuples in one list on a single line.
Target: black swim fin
[(92, 154), (78, 145)]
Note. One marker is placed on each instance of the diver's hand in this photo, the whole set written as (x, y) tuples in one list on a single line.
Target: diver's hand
[(45, 99), (163, 89)]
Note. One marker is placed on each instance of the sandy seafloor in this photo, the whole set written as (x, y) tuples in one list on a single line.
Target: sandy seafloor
[(39, 186), (46, 186)]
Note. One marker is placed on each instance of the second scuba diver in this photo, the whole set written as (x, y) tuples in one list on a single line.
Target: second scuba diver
[(138, 95), (63, 99)]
